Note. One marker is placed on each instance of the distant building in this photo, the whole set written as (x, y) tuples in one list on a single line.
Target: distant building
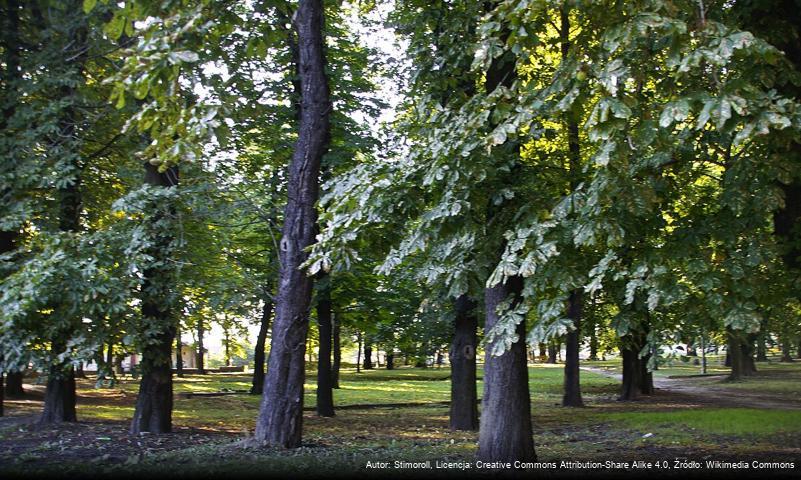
[(188, 356)]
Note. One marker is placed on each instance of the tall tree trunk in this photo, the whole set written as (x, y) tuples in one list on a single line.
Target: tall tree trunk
[(261, 341), (325, 393), (552, 351), (153, 411), (14, 384), (735, 354), (337, 353), (79, 373), (703, 352), (505, 432), (646, 376), (110, 358), (358, 351), (59, 402), (118, 364), (787, 355), (630, 389), (368, 356), (572, 385), (179, 359), (464, 396), (201, 350), (2, 395), (637, 380), (281, 413), (543, 352), (390, 360), (227, 343)]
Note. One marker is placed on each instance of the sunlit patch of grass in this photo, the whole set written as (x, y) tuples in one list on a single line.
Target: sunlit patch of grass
[(104, 412), (722, 421)]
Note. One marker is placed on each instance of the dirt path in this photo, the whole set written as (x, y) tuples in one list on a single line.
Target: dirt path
[(719, 394)]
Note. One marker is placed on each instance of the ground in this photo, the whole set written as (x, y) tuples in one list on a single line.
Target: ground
[(693, 418)]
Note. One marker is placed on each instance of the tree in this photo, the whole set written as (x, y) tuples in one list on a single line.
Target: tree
[(280, 414), (153, 411), (325, 396), (464, 398)]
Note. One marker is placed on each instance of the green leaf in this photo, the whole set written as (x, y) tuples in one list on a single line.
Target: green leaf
[(120, 101), (183, 56), (498, 136), (722, 113), (674, 112), (706, 112), (116, 26), (88, 5)]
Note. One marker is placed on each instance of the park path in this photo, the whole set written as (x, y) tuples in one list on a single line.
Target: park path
[(718, 394)]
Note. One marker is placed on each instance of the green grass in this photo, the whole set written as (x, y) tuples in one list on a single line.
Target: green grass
[(379, 386), (344, 443), (719, 421)]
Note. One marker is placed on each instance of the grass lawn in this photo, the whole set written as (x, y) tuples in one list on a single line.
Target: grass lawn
[(210, 431)]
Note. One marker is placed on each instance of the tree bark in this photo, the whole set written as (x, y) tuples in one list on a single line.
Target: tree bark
[(14, 384), (630, 389), (637, 380), (703, 352), (572, 385), (201, 368), (281, 412), (390, 360), (464, 396), (505, 432), (543, 356), (786, 353), (153, 411), (118, 364), (358, 351), (552, 351), (325, 393), (60, 398), (261, 341), (368, 356), (337, 353), (227, 344), (737, 355), (646, 377)]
